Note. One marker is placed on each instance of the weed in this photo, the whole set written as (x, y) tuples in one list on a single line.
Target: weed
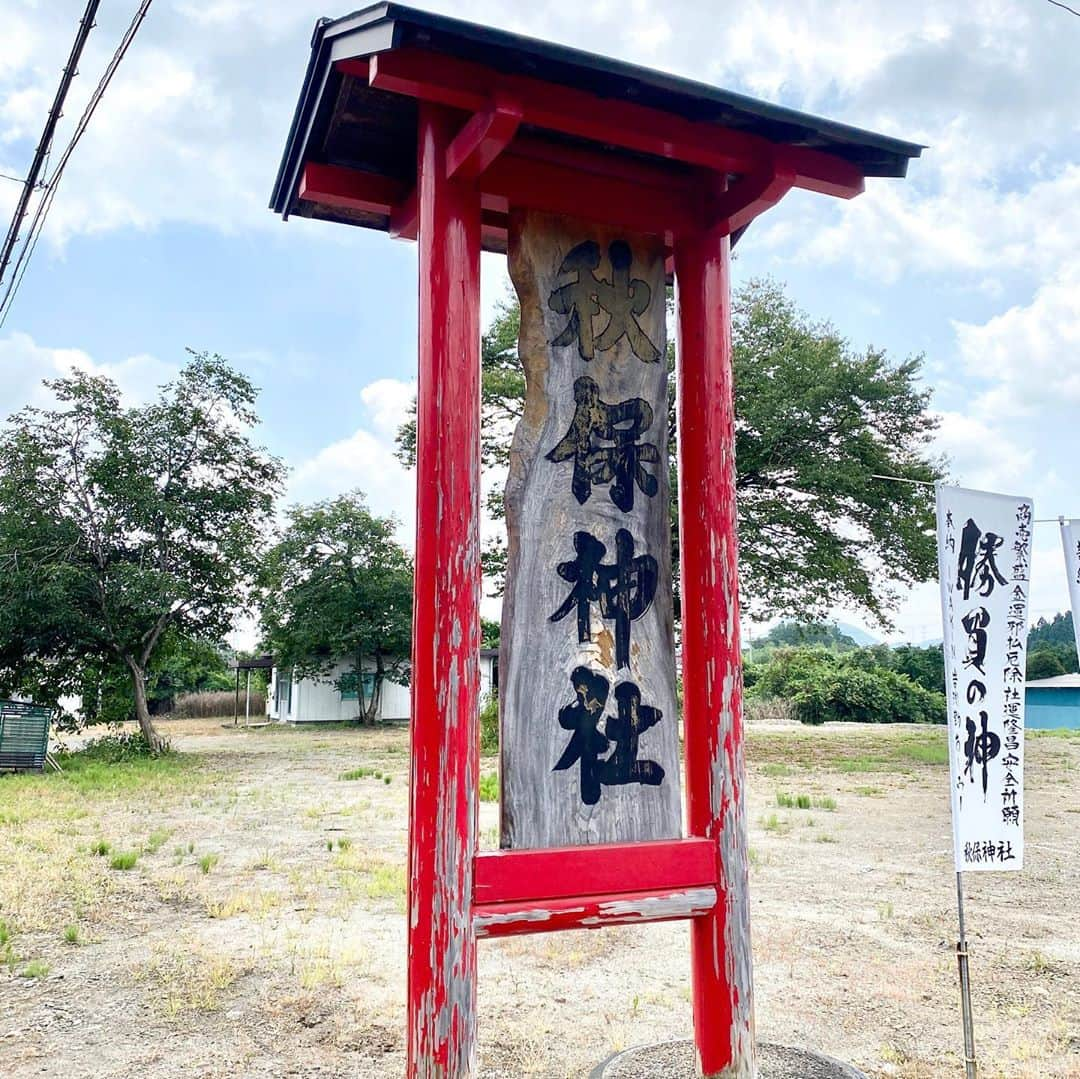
[(1038, 963), (824, 837), (156, 841), (207, 862), (802, 801), (124, 859), (772, 823), (785, 800), (330, 845), (489, 787), (100, 848), (191, 847), (5, 933), (386, 882), (884, 911), (344, 843), (36, 968), (775, 770), (359, 773), (71, 934), (869, 792), (386, 780)]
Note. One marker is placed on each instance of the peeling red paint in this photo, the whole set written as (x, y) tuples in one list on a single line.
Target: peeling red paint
[(446, 684), (712, 707)]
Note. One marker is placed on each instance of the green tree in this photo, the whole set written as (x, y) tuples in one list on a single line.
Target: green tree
[(1055, 636), (1044, 663), (815, 422), (121, 525), (336, 586)]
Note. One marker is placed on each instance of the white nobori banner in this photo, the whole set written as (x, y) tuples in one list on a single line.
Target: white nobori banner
[(984, 561), (1070, 540)]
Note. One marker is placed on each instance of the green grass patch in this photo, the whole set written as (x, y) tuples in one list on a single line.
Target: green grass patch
[(489, 787), (775, 769), (124, 859), (71, 934), (360, 773), (207, 862), (36, 968), (156, 840)]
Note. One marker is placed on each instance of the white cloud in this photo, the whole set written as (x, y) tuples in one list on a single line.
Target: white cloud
[(1032, 351), (24, 365), (981, 454), (365, 461)]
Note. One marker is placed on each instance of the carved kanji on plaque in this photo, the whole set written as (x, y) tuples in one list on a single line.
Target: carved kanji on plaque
[(589, 737)]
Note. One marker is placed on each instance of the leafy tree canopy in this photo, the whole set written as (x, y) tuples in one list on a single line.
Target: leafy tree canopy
[(337, 585), (123, 525), (815, 421)]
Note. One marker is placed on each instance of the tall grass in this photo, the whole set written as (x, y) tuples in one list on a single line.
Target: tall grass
[(210, 704)]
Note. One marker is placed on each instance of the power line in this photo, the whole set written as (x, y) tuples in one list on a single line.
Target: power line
[(86, 24), (45, 204), (1071, 11)]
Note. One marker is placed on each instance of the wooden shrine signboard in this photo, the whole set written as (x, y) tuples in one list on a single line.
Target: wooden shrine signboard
[(589, 734), (598, 179)]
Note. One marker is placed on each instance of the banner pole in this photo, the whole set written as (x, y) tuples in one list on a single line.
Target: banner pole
[(970, 1067)]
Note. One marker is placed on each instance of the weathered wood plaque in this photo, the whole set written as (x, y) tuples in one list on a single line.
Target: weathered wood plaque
[(589, 720)]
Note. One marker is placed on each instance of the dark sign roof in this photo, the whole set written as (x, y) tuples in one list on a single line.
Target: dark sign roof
[(341, 120)]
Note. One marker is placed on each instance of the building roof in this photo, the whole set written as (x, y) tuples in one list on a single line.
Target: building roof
[(1059, 681), (342, 121)]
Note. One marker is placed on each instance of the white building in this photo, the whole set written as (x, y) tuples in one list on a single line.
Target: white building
[(331, 698)]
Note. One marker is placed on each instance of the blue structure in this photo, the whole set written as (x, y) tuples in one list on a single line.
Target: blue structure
[(1053, 703)]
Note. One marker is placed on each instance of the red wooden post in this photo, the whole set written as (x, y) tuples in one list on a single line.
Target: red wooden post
[(446, 626), (712, 675)]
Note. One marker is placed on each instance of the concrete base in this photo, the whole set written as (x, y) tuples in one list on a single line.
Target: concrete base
[(677, 1060)]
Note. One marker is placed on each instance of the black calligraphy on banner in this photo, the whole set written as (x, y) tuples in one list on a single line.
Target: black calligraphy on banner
[(621, 464), (976, 567), (588, 743), (621, 298), (624, 589), (981, 747), (988, 850), (1014, 673)]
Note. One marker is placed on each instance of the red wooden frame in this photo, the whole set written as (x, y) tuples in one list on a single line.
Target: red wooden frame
[(474, 164)]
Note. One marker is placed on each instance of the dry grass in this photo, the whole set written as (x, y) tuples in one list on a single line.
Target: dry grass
[(217, 703)]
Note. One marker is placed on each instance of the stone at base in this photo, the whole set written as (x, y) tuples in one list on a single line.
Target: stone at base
[(676, 1060)]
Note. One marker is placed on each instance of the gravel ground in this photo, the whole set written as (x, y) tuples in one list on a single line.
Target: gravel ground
[(261, 932), (676, 1060)]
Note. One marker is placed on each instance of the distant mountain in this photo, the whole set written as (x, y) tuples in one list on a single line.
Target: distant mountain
[(859, 636)]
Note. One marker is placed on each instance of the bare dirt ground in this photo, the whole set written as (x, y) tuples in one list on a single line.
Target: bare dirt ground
[(260, 931)]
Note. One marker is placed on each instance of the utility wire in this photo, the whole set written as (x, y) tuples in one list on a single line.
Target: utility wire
[(1070, 10), (45, 204), (86, 24)]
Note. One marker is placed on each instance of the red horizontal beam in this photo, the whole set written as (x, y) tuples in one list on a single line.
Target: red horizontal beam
[(350, 189), (593, 912), (469, 86), (609, 200), (571, 872)]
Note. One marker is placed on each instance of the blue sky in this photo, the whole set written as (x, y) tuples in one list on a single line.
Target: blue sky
[(160, 237)]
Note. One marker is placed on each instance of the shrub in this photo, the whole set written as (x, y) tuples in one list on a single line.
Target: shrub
[(489, 787), (823, 686), (119, 748), (489, 724)]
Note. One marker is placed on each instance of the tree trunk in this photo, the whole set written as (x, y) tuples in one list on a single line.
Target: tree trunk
[(142, 710), (376, 690)]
